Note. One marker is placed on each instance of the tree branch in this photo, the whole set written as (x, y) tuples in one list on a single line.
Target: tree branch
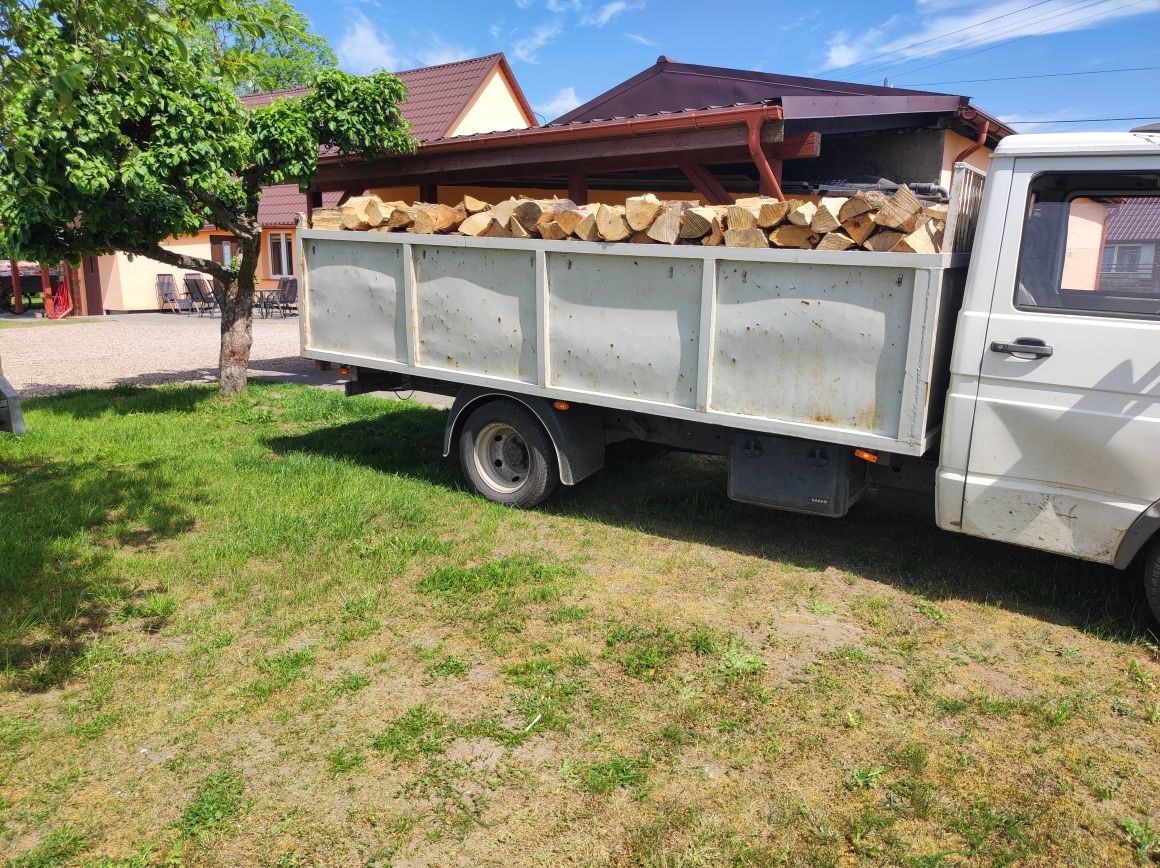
[(224, 218), (189, 263)]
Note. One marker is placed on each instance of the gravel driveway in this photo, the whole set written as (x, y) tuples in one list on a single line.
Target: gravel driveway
[(143, 350)]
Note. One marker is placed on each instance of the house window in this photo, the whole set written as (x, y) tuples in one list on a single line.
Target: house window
[(1128, 259), (281, 254)]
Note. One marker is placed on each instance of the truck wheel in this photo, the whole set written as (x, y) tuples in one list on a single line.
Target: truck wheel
[(1152, 579), (507, 456)]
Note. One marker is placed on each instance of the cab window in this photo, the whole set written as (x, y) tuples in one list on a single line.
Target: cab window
[(1091, 244)]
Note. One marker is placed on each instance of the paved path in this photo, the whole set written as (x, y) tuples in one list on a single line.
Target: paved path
[(147, 349)]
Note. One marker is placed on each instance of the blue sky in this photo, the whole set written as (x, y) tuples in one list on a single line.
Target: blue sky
[(564, 52)]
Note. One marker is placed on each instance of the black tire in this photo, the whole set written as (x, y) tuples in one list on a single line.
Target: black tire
[(507, 456), (1152, 579)]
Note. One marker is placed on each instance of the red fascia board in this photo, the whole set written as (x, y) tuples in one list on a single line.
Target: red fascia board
[(613, 129)]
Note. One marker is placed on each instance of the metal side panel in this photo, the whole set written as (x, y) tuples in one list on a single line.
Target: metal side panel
[(476, 310), (355, 299), (818, 344), (625, 325)]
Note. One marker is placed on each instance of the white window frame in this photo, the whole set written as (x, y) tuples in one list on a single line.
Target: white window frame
[(286, 243)]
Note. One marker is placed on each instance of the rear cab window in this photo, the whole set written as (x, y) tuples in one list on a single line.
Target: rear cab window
[(1091, 245)]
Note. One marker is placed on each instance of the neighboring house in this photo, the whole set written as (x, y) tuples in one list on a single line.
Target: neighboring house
[(690, 131), (454, 99), (1129, 258)]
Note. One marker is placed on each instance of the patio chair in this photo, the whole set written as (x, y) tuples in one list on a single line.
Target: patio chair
[(203, 299), (285, 298), (170, 296)]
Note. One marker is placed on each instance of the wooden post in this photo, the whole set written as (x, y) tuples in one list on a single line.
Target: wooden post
[(578, 189), (313, 200), (46, 288), (17, 295), (429, 193)]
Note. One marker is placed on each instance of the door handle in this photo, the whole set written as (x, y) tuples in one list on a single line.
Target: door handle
[(1033, 347)]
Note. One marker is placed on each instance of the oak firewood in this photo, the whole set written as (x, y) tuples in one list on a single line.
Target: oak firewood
[(473, 206), (533, 211), (401, 218), (741, 216), (883, 240), (716, 236), (835, 240), (803, 214), (476, 223), (826, 218), (503, 211), (641, 211), (495, 230), (774, 212), (327, 218), (551, 231), (860, 226), (861, 203), (695, 222), (586, 229), (517, 229), (749, 237), (921, 240), (666, 227), (640, 238), (937, 212), (432, 219), (900, 211), (792, 235), (362, 212), (610, 223), (569, 219)]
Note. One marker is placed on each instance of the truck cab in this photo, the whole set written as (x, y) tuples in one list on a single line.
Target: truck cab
[(1051, 435)]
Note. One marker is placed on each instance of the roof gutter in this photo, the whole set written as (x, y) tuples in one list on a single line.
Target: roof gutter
[(984, 128)]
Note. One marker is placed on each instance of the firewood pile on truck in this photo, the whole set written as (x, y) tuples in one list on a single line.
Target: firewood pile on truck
[(898, 222)]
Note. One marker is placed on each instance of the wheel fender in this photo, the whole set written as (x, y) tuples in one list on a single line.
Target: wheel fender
[(577, 434), (1146, 525)]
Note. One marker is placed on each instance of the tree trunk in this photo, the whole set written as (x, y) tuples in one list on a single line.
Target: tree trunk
[(238, 320)]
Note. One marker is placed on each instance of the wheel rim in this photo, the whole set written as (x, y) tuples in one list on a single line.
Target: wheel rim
[(502, 457)]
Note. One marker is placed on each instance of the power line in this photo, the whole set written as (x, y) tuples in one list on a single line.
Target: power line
[(1086, 120), (1042, 75), (966, 39), (930, 39), (1026, 36)]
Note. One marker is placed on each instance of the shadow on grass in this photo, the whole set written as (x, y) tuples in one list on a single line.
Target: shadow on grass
[(682, 496), (63, 525), (125, 400)]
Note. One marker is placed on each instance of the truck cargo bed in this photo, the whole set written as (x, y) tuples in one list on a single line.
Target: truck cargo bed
[(838, 346)]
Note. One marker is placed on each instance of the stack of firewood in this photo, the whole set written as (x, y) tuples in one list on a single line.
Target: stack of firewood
[(870, 220)]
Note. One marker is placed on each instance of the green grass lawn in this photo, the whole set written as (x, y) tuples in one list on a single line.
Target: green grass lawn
[(279, 631)]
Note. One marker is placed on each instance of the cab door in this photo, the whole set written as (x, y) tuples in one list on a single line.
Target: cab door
[(1065, 447)]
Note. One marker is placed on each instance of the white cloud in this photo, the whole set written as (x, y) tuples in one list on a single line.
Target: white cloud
[(565, 5), (940, 26), (638, 39), (527, 48), (563, 102), (438, 51), (496, 30), (364, 48), (608, 12), (523, 4)]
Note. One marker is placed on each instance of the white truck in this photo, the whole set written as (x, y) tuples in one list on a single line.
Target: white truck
[(1016, 379)]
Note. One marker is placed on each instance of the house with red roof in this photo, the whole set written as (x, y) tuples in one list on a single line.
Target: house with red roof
[(1130, 258), (468, 97)]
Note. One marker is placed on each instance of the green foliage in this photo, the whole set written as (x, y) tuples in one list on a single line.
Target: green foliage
[(217, 801), (419, 731), (618, 772)]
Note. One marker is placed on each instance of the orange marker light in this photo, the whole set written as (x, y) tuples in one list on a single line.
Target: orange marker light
[(344, 372), (561, 405), (865, 455)]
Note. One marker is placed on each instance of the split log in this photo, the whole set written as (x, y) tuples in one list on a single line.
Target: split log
[(641, 211), (610, 223), (861, 203), (531, 212), (568, 220), (741, 217), (363, 212), (835, 241), (750, 237), (883, 240), (586, 229), (495, 230), (475, 224), (503, 212), (901, 211), (792, 235), (860, 227), (826, 218), (716, 236), (474, 206), (803, 214), (401, 218), (666, 227), (551, 231), (433, 219), (696, 222), (937, 212), (516, 228), (770, 211), (640, 238), (921, 240), (327, 218)]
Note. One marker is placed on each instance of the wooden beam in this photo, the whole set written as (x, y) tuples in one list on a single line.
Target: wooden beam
[(706, 184), (17, 295), (429, 192), (800, 146), (578, 188)]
